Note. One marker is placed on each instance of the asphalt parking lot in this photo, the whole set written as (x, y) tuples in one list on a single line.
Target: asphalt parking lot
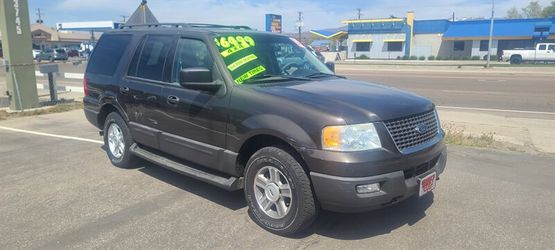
[(60, 193)]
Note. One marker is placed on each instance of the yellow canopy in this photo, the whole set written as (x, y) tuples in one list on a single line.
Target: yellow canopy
[(362, 40), (394, 40)]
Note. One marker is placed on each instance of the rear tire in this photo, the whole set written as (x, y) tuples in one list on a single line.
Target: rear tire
[(516, 60), (117, 141), (288, 187)]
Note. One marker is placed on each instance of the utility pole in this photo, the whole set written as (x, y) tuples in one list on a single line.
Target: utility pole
[(490, 32), (39, 16), (453, 16), (359, 13), (124, 18), (300, 25)]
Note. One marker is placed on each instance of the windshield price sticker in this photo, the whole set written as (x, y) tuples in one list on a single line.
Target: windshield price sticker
[(238, 54), (250, 74), (242, 62), (232, 44)]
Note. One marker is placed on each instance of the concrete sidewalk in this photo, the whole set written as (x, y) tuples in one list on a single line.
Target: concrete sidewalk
[(462, 67), (520, 132)]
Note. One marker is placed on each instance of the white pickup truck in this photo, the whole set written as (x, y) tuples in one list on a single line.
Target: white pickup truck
[(544, 52)]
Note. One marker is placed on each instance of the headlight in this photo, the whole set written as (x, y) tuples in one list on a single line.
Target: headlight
[(357, 137)]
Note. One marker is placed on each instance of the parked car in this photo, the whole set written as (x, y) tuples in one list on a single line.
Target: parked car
[(52, 55), (73, 53), (544, 52), (214, 103)]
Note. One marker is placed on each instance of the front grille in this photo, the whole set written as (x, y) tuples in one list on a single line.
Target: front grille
[(405, 133), (420, 169)]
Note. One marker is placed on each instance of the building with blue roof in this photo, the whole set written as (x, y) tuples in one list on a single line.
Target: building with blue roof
[(392, 38)]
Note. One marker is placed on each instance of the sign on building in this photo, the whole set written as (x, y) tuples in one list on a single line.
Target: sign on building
[(273, 23)]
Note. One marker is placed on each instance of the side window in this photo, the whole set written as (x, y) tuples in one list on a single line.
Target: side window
[(551, 47), (458, 46), (542, 47), (191, 53), (152, 58), (107, 54)]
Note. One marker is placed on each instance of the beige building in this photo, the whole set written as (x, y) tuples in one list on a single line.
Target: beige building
[(47, 37)]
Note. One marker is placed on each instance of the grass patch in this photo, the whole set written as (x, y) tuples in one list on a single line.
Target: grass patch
[(457, 136), (59, 108)]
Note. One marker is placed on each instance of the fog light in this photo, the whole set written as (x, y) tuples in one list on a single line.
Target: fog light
[(368, 188)]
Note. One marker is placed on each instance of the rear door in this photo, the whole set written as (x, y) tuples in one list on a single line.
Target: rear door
[(142, 88), (194, 121)]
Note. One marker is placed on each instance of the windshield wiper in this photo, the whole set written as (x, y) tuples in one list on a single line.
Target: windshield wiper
[(273, 77), (322, 74)]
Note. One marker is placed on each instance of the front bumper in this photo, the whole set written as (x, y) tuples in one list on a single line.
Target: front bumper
[(339, 194)]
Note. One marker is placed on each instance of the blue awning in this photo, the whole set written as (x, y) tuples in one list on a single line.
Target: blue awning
[(508, 28)]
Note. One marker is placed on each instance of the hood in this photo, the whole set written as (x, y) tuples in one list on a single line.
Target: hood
[(354, 101)]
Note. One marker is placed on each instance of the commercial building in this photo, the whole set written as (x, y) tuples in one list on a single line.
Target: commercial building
[(393, 38)]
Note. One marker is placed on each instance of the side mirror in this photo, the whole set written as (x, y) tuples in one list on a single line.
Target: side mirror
[(198, 78), (331, 66)]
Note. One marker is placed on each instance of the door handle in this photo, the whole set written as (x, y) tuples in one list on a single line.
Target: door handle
[(124, 90), (173, 99)]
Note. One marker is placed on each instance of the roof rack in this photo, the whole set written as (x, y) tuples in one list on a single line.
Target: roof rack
[(184, 25)]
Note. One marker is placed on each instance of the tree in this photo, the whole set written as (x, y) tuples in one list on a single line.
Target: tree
[(549, 11), (513, 13), (534, 9)]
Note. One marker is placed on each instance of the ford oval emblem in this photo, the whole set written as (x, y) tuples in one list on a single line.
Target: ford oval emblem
[(421, 128)]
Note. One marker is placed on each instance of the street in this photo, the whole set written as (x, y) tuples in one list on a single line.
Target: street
[(63, 193), (475, 89)]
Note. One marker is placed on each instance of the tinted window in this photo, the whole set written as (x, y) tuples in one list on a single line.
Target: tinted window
[(484, 45), (395, 46), (107, 54), (551, 47), (542, 47), (458, 46), (153, 57), (190, 54), (363, 46)]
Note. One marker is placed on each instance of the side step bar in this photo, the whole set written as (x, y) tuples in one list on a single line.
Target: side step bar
[(230, 183)]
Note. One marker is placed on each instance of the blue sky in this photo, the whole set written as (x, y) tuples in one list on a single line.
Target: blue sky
[(318, 14)]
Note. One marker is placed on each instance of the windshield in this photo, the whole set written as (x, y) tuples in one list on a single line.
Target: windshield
[(253, 56)]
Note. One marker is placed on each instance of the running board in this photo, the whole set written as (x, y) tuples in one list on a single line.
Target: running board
[(230, 183)]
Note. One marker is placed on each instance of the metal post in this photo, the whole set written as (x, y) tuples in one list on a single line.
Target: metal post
[(490, 32), (17, 45), (52, 88)]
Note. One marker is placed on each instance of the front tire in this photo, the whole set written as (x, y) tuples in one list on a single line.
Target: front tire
[(278, 192), (117, 141)]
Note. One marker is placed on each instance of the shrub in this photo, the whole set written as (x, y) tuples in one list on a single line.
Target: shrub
[(431, 58), (405, 57), (465, 58), (413, 58), (363, 57), (475, 58), (422, 58), (398, 57), (439, 58)]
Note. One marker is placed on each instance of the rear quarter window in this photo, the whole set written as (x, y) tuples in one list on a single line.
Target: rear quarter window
[(107, 54)]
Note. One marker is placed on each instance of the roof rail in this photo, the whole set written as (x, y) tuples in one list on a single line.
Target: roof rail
[(184, 25)]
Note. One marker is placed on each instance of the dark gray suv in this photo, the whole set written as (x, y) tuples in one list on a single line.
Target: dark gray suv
[(242, 109)]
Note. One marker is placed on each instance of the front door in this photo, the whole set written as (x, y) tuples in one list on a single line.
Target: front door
[(193, 121)]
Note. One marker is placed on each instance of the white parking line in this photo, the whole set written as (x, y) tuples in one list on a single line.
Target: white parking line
[(51, 135), (500, 110)]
